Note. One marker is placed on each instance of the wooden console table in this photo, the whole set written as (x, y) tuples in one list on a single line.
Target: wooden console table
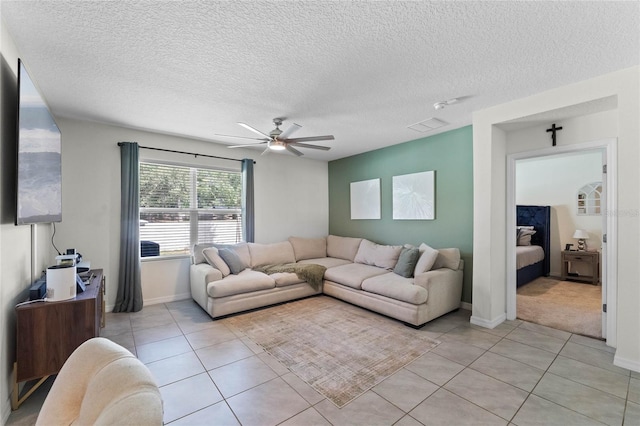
[(48, 332), (590, 258)]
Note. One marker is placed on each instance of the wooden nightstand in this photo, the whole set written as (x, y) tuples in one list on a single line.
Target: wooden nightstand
[(591, 258)]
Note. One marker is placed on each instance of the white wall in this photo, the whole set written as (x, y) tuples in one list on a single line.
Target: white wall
[(17, 253), (291, 199), (555, 181), (490, 149)]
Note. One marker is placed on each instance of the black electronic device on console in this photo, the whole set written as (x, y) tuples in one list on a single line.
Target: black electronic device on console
[(38, 290)]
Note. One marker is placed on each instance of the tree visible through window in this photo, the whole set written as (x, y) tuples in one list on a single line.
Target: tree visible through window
[(181, 206)]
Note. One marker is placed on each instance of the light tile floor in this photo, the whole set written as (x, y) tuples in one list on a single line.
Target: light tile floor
[(518, 373)]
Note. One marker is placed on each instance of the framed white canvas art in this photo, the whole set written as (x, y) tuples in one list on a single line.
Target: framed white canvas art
[(365, 199), (414, 196)]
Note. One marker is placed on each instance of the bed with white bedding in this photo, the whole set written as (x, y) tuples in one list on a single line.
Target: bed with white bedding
[(528, 255), (532, 251)]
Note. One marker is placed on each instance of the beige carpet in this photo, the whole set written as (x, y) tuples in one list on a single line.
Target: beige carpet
[(338, 349), (569, 306)]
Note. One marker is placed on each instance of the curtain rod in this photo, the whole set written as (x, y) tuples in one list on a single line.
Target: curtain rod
[(187, 153)]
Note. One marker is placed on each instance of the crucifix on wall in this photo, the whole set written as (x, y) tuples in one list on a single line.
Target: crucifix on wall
[(553, 131)]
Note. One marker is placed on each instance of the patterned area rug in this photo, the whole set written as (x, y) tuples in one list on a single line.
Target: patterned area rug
[(338, 349), (568, 306)]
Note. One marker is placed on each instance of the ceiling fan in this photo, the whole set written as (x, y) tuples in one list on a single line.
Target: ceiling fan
[(278, 140)]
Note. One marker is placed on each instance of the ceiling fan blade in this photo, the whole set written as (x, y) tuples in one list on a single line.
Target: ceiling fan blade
[(304, 145), (246, 126), (291, 129), (240, 137), (248, 145), (312, 138), (266, 151), (294, 151)]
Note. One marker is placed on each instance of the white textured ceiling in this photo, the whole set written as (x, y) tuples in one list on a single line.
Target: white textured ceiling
[(362, 71)]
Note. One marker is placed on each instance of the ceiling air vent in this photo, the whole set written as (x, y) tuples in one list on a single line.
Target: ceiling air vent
[(427, 125)]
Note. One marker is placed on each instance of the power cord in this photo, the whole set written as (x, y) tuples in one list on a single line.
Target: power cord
[(52, 243)]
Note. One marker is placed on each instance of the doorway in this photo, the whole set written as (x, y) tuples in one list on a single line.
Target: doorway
[(570, 297), (608, 254)]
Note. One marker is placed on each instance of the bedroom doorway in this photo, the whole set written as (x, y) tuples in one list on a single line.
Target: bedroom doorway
[(566, 219)]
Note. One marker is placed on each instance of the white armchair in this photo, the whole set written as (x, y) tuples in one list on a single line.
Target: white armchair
[(102, 383)]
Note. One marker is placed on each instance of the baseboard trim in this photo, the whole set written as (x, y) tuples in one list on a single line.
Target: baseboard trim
[(488, 324), (157, 300), (167, 299), (466, 306), (626, 363)]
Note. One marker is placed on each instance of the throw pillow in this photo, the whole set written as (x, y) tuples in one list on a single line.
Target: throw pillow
[(427, 258), (524, 236), (448, 258), (197, 250), (241, 249), (213, 258), (407, 262), (233, 260)]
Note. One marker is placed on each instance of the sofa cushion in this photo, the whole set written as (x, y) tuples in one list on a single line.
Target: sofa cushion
[(396, 287), (379, 255), (428, 256), (233, 260), (343, 247), (308, 248), (213, 258), (198, 249), (448, 258), (246, 281), (407, 262), (284, 279), (352, 274), (327, 262), (271, 254)]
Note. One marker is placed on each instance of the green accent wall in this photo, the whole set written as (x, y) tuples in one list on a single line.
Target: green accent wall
[(450, 154)]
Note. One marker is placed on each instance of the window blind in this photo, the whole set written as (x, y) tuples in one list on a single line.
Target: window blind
[(181, 206)]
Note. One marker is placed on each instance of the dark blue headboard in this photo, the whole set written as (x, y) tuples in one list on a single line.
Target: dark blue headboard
[(540, 218)]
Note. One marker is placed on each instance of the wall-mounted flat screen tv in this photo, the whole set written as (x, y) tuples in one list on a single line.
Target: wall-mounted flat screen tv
[(39, 179)]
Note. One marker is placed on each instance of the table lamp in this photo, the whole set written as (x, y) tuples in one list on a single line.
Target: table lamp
[(581, 235)]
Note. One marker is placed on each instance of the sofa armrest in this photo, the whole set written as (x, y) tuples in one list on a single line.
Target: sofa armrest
[(201, 275), (444, 287), (434, 276)]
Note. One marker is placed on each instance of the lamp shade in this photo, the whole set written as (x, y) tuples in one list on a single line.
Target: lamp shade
[(581, 234)]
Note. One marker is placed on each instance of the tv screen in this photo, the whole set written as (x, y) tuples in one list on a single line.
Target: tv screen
[(39, 180)]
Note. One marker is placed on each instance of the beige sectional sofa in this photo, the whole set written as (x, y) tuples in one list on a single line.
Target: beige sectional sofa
[(413, 285)]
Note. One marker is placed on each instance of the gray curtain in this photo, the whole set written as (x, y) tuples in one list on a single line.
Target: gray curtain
[(248, 208), (129, 298)]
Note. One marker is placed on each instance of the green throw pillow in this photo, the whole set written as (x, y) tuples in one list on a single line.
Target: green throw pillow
[(407, 262), (231, 258)]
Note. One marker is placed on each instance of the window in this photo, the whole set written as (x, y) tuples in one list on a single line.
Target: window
[(589, 198), (181, 206)]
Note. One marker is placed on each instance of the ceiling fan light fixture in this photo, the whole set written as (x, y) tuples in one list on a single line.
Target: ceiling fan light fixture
[(277, 145)]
